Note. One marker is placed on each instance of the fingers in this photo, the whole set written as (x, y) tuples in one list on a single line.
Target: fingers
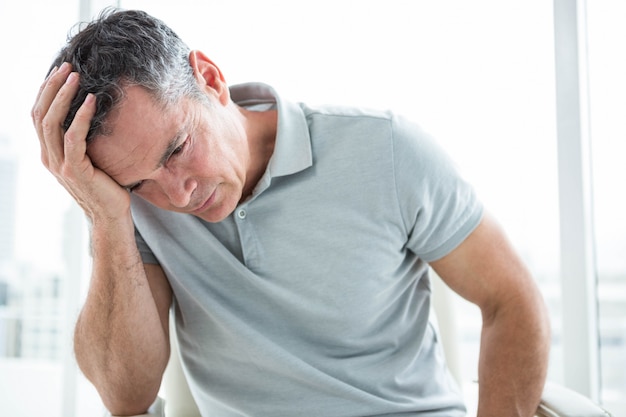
[(64, 151), (50, 110), (75, 143), (34, 110), (47, 93)]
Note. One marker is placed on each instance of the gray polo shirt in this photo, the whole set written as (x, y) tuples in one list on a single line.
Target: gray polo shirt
[(312, 298)]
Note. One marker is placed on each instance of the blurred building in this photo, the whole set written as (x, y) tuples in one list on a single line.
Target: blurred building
[(8, 195), (31, 312)]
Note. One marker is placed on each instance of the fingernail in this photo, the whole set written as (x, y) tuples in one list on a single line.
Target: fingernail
[(53, 71), (71, 78), (64, 66)]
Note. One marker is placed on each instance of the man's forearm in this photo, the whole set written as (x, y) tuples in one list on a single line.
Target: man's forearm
[(120, 341), (513, 359)]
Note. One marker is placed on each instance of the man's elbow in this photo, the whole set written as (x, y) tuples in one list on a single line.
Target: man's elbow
[(531, 316), (131, 405), (543, 321)]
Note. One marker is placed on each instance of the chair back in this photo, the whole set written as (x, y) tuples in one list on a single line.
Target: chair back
[(175, 389)]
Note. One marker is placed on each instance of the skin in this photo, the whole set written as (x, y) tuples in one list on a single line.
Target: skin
[(515, 337), (204, 159)]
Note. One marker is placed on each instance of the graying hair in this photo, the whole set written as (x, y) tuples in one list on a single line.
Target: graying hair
[(121, 49)]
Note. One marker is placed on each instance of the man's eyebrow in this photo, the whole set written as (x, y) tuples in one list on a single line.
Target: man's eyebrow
[(171, 147)]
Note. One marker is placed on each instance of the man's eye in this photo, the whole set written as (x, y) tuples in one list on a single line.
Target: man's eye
[(181, 147), (134, 187)]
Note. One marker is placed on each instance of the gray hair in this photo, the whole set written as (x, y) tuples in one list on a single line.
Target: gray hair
[(121, 49)]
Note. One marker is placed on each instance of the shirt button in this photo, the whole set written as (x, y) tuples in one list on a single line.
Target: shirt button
[(242, 214)]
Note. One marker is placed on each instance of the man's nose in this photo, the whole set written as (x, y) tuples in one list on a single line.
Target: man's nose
[(178, 189)]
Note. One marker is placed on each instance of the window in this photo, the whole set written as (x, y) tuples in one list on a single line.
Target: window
[(607, 66), (37, 303)]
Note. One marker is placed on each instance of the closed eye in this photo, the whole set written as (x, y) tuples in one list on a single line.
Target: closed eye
[(164, 160), (134, 187), (180, 148)]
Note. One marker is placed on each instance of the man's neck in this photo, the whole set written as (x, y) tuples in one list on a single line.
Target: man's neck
[(261, 130)]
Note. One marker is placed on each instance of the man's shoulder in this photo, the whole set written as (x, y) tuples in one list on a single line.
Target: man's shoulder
[(335, 111)]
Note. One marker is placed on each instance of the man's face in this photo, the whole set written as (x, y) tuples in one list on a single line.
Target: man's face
[(190, 157)]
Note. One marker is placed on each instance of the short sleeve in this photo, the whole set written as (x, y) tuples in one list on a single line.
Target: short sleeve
[(144, 250), (439, 208)]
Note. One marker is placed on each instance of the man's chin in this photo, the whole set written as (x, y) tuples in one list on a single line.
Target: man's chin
[(216, 214), (211, 218)]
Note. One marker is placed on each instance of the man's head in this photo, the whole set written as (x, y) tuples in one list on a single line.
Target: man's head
[(165, 127), (122, 49)]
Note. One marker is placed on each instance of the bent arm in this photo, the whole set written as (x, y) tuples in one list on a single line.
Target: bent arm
[(515, 343), (122, 336)]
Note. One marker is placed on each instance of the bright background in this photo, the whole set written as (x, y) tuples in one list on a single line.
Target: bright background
[(479, 75)]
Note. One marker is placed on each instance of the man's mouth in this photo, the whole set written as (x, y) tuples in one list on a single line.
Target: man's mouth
[(207, 203)]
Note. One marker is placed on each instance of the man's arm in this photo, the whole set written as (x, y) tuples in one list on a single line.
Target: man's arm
[(121, 337), (515, 339)]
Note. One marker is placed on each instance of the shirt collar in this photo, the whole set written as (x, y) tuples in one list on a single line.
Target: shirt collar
[(292, 151)]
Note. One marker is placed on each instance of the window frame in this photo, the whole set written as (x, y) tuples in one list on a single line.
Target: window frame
[(579, 291)]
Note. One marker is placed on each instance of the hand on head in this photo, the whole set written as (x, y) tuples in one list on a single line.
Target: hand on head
[(64, 152)]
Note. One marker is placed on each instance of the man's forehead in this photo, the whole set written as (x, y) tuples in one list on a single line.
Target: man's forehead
[(140, 131), (120, 159)]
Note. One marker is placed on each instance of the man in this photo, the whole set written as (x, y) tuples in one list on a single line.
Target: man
[(291, 243)]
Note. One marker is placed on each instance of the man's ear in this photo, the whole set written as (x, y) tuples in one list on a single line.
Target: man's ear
[(208, 75)]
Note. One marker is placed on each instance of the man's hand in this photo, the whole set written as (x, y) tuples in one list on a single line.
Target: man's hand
[(64, 153), (121, 337)]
